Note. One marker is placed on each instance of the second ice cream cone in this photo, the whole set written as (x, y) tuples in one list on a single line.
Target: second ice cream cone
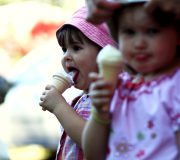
[(110, 65)]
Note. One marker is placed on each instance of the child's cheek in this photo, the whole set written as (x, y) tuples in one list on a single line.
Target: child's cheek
[(122, 46)]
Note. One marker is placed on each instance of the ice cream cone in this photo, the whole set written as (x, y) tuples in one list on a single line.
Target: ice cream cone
[(61, 81), (110, 65)]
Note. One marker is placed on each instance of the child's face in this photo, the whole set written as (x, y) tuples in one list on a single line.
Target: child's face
[(146, 47), (79, 60)]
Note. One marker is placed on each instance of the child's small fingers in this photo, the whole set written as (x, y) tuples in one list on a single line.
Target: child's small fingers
[(44, 109), (42, 98), (99, 16), (108, 5), (150, 6), (93, 74), (102, 93), (101, 84), (99, 103), (96, 85), (41, 103), (48, 87), (167, 6)]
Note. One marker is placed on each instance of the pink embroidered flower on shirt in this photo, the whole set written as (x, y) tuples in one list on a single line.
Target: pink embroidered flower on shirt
[(150, 124), (136, 83), (140, 153), (123, 148)]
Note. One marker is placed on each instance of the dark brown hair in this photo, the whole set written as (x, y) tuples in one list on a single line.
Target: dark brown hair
[(162, 18), (70, 34)]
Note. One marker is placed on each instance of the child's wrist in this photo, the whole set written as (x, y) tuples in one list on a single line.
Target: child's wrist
[(100, 117)]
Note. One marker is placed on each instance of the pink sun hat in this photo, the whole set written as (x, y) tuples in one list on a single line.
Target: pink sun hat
[(99, 34)]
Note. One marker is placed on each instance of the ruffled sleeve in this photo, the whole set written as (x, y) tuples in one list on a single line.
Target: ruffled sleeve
[(171, 100), (83, 106)]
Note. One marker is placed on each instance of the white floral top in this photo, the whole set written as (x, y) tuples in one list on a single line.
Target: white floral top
[(145, 117)]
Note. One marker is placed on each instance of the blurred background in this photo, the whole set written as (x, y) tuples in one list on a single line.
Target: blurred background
[(29, 55)]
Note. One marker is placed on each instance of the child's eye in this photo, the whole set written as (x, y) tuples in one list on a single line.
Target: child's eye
[(152, 31), (64, 49), (129, 32), (76, 48)]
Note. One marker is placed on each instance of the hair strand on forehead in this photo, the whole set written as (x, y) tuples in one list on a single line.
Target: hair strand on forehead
[(69, 35)]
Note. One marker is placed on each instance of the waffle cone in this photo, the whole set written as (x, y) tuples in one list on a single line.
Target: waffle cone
[(110, 72), (61, 82)]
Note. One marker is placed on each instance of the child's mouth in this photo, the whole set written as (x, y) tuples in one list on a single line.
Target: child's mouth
[(142, 57), (74, 74)]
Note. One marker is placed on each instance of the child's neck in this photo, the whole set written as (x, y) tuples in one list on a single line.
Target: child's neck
[(169, 69)]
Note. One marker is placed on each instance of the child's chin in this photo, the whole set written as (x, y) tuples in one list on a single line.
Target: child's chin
[(142, 71)]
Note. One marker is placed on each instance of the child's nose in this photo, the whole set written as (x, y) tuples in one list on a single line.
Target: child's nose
[(66, 59), (140, 42), (67, 56)]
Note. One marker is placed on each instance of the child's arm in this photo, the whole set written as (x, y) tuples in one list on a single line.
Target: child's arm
[(95, 139), (100, 10), (166, 5), (55, 103), (96, 131), (178, 141)]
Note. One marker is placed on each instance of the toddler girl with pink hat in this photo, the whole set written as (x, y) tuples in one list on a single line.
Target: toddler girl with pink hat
[(80, 41)]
